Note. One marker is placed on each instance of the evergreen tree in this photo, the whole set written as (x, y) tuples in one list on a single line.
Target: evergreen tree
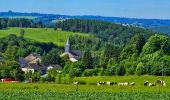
[(0, 26), (87, 60), (10, 53), (22, 33), (139, 41), (52, 57)]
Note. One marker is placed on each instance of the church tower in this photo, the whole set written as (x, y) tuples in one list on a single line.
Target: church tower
[(68, 46)]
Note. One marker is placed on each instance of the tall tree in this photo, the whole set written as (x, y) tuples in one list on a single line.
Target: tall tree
[(87, 60), (22, 33), (10, 53), (52, 57), (3, 23), (139, 41), (0, 26)]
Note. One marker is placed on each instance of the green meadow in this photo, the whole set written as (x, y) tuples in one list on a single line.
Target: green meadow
[(91, 85), (42, 34)]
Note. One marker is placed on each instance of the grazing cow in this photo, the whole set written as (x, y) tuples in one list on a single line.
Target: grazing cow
[(75, 83), (101, 83), (161, 82), (110, 83), (132, 84), (146, 83), (151, 84), (123, 84)]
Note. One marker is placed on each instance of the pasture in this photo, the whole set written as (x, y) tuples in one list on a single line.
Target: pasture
[(42, 91), (42, 34)]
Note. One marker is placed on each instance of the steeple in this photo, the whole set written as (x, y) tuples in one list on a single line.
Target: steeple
[(68, 46)]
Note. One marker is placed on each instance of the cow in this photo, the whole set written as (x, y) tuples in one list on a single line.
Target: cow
[(110, 83), (161, 82), (123, 84), (101, 83), (151, 84), (75, 83), (132, 83), (146, 83)]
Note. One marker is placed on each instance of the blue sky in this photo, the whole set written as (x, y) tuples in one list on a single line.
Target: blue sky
[(116, 8)]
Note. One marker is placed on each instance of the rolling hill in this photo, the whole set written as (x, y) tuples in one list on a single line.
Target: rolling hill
[(162, 29), (42, 34), (50, 19)]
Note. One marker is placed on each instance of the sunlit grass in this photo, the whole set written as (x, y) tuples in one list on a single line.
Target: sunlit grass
[(42, 34)]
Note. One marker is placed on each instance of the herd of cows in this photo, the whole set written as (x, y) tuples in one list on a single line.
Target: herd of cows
[(146, 83)]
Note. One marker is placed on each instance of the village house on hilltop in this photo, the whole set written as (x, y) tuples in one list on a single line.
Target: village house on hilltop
[(74, 55), (33, 63), (30, 63)]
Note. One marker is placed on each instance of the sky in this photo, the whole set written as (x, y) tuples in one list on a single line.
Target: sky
[(155, 9)]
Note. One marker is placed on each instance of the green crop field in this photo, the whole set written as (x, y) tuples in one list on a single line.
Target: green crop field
[(52, 91), (42, 34), (35, 95)]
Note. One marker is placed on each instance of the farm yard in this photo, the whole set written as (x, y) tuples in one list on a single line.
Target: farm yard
[(89, 90)]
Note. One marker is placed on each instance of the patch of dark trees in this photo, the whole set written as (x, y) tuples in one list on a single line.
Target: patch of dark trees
[(25, 23)]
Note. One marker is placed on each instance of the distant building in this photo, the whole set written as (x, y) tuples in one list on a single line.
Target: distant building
[(55, 66), (74, 55), (8, 80), (30, 63)]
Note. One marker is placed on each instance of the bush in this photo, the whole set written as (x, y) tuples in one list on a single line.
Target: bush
[(121, 70), (43, 79), (111, 70), (88, 72), (75, 72)]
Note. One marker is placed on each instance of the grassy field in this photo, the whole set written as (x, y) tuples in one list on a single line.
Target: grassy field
[(137, 79), (42, 34), (42, 91)]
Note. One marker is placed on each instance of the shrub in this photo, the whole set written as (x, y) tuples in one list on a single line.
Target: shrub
[(90, 72)]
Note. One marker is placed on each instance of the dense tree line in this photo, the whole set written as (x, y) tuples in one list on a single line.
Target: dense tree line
[(106, 31), (140, 56), (5, 22), (24, 46)]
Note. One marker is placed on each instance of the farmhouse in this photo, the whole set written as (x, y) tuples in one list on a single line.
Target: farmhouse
[(55, 66), (30, 63), (74, 55)]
